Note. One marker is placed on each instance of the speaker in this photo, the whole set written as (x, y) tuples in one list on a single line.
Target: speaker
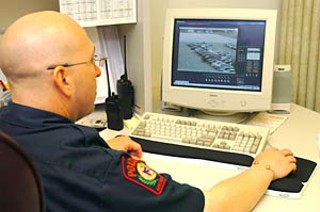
[(281, 92)]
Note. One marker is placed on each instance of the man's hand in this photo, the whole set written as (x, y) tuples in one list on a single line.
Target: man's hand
[(124, 143), (281, 162)]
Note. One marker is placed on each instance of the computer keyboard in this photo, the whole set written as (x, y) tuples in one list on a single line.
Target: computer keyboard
[(201, 134)]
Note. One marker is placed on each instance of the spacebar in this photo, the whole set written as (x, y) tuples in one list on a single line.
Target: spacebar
[(195, 153)]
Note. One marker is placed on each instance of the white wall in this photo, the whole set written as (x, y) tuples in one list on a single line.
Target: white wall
[(157, 17), (10, 10)]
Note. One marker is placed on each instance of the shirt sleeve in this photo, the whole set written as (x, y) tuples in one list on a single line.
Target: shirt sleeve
[(140, 188)]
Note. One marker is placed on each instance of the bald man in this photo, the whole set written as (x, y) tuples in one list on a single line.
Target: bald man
[(49, 63)]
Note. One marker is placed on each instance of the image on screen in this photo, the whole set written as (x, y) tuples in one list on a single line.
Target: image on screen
[(216, 52)]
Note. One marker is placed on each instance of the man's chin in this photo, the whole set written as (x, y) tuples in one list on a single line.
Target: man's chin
[(91, 110)]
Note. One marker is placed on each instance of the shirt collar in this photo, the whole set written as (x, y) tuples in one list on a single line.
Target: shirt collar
[(31, 117)]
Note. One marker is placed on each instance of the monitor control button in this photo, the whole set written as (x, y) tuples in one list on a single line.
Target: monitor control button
[(213, 103), (243, 103)]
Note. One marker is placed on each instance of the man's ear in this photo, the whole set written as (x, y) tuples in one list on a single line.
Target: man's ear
[(62, 79)]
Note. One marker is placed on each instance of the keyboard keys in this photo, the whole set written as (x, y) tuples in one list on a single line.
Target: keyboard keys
[(201, 133)]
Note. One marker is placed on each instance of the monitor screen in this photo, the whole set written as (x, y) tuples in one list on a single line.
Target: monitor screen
[(219, 59)]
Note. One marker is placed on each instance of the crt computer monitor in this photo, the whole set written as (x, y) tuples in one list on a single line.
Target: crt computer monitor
[(219, 60)]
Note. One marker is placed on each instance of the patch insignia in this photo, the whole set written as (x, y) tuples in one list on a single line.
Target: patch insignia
[(138, 172)]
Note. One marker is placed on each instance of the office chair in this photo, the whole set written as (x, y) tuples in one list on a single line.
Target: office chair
[(20, 185)]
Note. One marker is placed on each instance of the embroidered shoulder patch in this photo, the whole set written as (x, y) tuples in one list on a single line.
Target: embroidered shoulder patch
[(138, 172)]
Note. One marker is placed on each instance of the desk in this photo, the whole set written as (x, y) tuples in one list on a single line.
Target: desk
[(299, 133)]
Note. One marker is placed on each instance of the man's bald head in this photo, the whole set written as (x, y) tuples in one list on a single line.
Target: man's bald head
[(49, 39), (26, 47)]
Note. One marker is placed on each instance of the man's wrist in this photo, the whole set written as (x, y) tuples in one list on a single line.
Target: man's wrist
[(266, 167)]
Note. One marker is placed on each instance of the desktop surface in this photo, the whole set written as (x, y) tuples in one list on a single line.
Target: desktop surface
[(299, 133)]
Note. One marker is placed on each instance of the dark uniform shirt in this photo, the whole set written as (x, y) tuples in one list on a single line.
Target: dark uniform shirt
[(81, 173)]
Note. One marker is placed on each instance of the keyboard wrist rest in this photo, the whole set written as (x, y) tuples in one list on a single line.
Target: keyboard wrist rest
[(286, 184), (293, 183), (304, 170), (194, 153)]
